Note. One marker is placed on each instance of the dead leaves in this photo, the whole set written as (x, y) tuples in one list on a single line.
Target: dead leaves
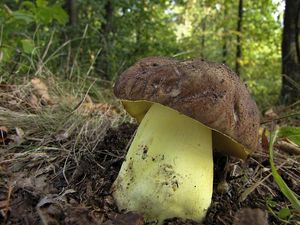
[(88, 107), (249, 216), (270, 114), (35, 96), (32, 96), (27, 108), (40, 90), (288, 146), (39, 96), (130, 218), (60, 210)]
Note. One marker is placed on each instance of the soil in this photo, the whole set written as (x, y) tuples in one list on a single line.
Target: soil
[(47, 189)]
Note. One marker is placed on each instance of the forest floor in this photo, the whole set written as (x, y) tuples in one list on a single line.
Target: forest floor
[(60, 153)]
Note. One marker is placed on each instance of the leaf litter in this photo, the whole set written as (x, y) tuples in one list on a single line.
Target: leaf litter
[(63, 153)]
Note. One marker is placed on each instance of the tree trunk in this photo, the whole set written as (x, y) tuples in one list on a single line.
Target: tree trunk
[(102, 63), (238, 38), (224, 47), (203, 26), (70, 7), (290, 53), (139, 25)]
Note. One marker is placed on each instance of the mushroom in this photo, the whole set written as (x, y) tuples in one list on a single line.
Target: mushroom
[(185, 110)]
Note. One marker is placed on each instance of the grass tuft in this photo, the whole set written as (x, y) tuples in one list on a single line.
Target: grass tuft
[(288, 193)]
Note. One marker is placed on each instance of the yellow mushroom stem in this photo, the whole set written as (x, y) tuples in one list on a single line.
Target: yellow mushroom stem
[(168, 171)]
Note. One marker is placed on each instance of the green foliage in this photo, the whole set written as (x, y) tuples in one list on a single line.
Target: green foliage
[(136, 29), (284, 213), (18, 26), (41, 13), (292, 133), (27, 45), (142, 31)]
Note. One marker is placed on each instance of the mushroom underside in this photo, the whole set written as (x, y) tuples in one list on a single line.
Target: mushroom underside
[(221, 142)]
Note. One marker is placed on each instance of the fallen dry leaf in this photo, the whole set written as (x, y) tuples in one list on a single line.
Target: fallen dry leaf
[(50, 211), (87, 106), (40, 89), (33, 102), (249, 216), (130, 218), (264, 140), (81, 216), (288, 146), (106, 108), (270, 114)]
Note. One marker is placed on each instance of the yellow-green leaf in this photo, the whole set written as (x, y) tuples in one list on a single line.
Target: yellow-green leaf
[(27, 45)]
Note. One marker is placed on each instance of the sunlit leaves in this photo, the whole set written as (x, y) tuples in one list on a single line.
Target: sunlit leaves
[(213, 36), (181, 28), (5, 54), (25, 17), (27, 45), (59, 14), (41, 3)]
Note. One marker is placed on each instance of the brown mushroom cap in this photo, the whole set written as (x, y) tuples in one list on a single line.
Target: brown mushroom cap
[(208, 92)]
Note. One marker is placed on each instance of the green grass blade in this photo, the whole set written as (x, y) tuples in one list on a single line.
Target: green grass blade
[(288, 193)]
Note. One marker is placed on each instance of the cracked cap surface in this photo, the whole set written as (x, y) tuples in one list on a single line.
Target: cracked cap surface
[(208, 92)]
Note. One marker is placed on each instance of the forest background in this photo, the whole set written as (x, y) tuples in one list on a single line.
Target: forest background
[(100, 39)]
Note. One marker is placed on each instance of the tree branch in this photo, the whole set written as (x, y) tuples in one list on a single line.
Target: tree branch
[(297, 34)]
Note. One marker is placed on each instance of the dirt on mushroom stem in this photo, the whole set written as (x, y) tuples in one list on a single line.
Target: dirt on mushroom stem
[(86, 199)]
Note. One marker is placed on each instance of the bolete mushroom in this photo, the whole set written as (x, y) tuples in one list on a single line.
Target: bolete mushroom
[(185, 110)]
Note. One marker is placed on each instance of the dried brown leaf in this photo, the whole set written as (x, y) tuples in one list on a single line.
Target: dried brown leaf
[(270, 114), (89, 107), (288, 146), (249, 216), (264, 140), (40, 89), (130, 218), (33, 102)]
